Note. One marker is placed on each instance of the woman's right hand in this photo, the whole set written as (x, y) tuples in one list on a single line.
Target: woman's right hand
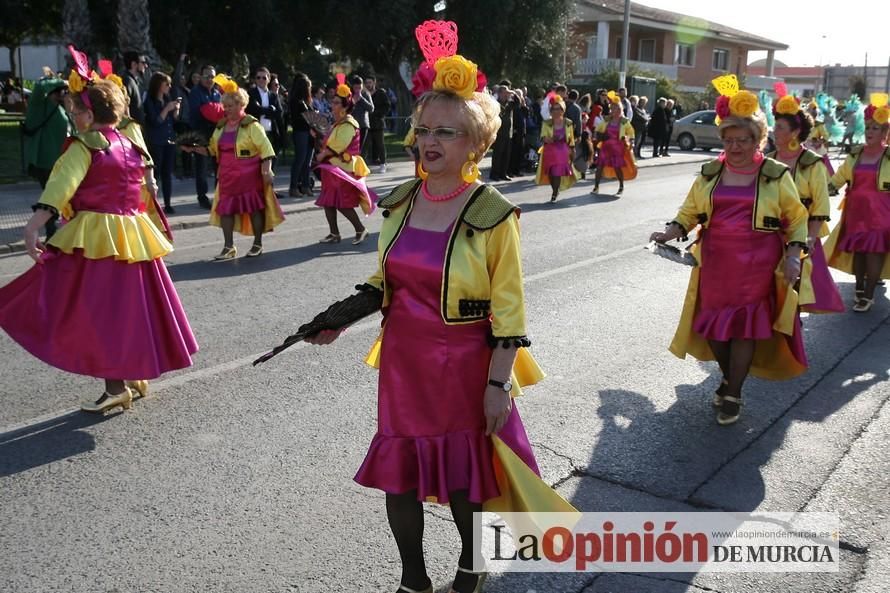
[(325, 336), (33, 245)]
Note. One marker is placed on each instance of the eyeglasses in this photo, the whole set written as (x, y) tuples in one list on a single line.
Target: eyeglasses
[(437, 133), (737, 141)]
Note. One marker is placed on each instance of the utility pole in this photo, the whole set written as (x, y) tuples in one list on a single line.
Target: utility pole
[(622, 75)]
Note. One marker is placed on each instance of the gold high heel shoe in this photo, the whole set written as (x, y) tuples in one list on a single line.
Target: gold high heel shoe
[(409, 590), (140, 387), (107, 401), (480, 580)]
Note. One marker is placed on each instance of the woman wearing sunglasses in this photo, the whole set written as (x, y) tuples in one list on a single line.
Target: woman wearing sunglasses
[(343, 170), (752, 224), (449, 280)]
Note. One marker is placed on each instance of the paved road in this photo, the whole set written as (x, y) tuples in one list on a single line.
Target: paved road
[(231, 478)]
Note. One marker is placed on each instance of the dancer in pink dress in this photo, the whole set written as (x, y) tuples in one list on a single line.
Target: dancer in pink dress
[(99, 301), (860, 242), (558, 137), (752, 224), (343, 170), (819, 293), (615, 136), (452, 351)]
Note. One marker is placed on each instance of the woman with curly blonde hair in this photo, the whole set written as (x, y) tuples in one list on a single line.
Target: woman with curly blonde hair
[(752, 223), (449, 281)]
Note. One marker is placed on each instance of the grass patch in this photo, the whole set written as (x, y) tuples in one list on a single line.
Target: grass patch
[(10, 152)]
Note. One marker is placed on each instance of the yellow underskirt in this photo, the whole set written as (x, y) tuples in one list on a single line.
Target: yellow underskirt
[(242, 221), (101, 235)]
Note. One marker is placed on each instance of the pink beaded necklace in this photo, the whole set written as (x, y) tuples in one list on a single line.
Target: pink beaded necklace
[(444, 197)]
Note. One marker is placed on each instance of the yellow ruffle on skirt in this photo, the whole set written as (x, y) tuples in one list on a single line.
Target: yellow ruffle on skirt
[(243, 226), (132, 238)]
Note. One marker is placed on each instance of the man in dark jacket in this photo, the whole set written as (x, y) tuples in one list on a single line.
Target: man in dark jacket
[(265, 105), (382, 107), (517, 147), (200, 95), (658, 126), (500, 158), (133, 78), (362, 111)]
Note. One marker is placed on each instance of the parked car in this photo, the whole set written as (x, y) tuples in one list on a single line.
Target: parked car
[(698, 130)]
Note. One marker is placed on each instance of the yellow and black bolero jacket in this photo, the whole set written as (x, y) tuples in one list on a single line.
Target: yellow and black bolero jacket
[(250, 140), (777, 205), (844, 174), (482, 276), (811, 178)]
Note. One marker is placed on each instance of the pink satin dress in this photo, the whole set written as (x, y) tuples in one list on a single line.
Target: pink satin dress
[(104, 318), (241, 188), (612, 149), (866, 214), (555, 159), (430, 421), (340, 189), (736, 287)]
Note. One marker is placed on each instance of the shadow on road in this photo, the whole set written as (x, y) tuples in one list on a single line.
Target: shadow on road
[(53, 440)]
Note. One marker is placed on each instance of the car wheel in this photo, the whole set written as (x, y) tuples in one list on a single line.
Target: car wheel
[(686, 142)]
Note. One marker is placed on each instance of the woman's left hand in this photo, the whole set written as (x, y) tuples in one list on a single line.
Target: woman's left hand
[(497, 405), (791, 269), (268, 177)]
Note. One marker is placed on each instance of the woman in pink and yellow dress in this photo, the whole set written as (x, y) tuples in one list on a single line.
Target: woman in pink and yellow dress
[(818, 292), (859, 244), (343, 170), (99, 301), (452, 352), (245, 197), (741, 307), (558, 137), (615, 137)]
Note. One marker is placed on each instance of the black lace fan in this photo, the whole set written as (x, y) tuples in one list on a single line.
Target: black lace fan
[(191, 138), (339, 315), (317, 122), (681, 256)]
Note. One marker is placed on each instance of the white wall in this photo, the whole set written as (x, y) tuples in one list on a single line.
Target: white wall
[(30, 59)]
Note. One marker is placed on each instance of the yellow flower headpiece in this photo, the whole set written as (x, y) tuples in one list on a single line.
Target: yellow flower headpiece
[(733, 101), (225, 84), (881, 113), (456, 74), (343, 90), (76, 83), (787, 105), (613, 97), (116, 80)]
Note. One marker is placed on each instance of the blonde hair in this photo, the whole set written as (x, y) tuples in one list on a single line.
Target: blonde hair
[(107, 102), (482, 114), (239, 98), (755, 124)]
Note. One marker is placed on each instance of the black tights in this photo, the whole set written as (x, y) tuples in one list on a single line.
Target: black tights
[(734, 358), (405, 515)]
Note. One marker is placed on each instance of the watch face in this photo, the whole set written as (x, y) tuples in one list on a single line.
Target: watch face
[(508, 386)]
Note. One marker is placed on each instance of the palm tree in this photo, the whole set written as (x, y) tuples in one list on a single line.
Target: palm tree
[(76, 26), (134, 28)]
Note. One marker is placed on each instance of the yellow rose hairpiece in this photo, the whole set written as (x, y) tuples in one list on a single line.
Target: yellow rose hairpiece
[(225, 84), (613, 97), (76, 84), (116, 80), (457, 75), (787, 105), (343, 90), (732, 100)]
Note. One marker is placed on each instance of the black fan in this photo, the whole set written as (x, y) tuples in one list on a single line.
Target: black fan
[(681, 256), (339, 315), (191, 138)]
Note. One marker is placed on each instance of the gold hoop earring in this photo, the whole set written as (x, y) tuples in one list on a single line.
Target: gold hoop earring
[(469, 171), (794, 144), (420, 172)]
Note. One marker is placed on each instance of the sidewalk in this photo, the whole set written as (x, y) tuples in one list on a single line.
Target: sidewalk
[(16, 199)]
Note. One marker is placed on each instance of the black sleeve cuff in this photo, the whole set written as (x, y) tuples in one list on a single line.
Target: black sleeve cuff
[(803, 246), (47, 207), (821, 218), (683, 236), (507, 341), (365, 287)]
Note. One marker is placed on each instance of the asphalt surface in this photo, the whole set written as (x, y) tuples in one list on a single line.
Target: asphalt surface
[(235, 478)]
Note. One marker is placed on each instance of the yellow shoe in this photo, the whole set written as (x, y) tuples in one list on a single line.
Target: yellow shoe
[(108, 401), (226, 253), (140, 387)]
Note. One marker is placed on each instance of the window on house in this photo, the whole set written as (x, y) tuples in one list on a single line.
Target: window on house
[(685, 55), (618, 43), (646, 52), (591, 48), (720, 61)]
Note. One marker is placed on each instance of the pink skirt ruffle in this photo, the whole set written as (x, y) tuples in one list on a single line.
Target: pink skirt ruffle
[(99, 317), (865, 242), (828, 298), (745, 322), (555, 160), (612, 154), (438, 464), (245, 203), (341, 190)]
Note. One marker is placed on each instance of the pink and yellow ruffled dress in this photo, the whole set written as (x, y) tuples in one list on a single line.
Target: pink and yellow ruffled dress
[(240, 190), (615, 151), (100, 303), (343, 175)]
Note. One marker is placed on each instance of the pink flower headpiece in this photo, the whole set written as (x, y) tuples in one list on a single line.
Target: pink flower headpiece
[(442, 67), (83, 76)]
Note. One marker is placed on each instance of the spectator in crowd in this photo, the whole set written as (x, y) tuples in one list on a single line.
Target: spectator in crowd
[(133, 78), (517, 148), (573, 114), (180, 90), (304, 144), (626, 107), (265, 106), (602, 99), (658, 126), (382, 106), (45, 128), (320, 101), (203, 94), (361, 112), (500, 158), (640, 121), (669, 116), (161, 111)]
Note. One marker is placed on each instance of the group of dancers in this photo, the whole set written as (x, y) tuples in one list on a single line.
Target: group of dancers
[(453, 349)]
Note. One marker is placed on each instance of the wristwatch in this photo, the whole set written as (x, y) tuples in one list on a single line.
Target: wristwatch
[(507, 386)]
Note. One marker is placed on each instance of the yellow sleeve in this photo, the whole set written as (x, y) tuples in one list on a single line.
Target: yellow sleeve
[(793, 211), (819, 190), (628, 130), (546, 130), (260, 141), (601, 127), (341, 138), (67, 175), (687, 216), (133, 132), (505, 275), (213, 143), (844, 174)]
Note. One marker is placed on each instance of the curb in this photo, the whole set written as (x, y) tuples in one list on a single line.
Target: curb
[(19, 246)]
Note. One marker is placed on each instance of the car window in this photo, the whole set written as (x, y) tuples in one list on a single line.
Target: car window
[(705, 118)]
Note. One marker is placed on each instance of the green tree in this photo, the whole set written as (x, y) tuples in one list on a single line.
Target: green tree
[(25, 20)]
